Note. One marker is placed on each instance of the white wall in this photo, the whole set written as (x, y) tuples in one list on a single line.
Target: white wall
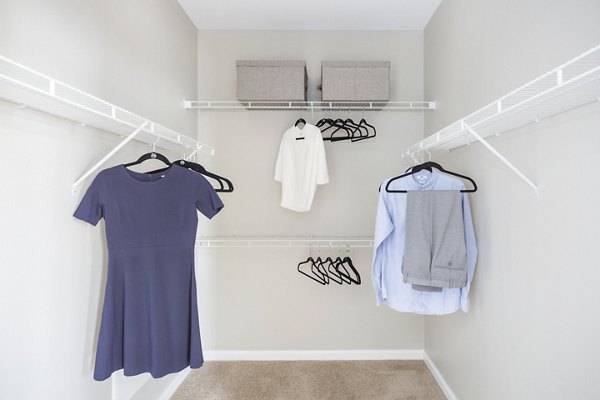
[(258, 291), (140, 55), (533, 326), (137, 54)]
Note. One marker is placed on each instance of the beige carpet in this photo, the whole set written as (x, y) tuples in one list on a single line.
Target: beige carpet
[(310, 380)]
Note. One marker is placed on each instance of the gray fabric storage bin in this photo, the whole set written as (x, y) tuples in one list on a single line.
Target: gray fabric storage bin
[(271, 80), (355, 80)]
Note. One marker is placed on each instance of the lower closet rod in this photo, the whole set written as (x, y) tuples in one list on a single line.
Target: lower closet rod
[(362, 241)]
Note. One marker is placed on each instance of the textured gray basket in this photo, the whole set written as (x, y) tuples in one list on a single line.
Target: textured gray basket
[(355, 80), (271, 80)]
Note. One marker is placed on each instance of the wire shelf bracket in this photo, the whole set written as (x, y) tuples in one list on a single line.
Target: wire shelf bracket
[(568, 86), (26, 87), (501, 157), (106, 157)]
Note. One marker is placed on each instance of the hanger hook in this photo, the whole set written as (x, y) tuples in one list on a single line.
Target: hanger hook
[(428, 153), (414, 159), (154, 144)]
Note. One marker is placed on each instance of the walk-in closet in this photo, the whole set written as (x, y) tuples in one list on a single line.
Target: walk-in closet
[(269, 200)]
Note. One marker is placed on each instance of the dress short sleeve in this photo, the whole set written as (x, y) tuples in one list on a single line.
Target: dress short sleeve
[(206, 199), (91, 208)]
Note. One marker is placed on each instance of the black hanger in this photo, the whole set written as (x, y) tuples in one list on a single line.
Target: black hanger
[(325, 124), (342, 125), (326, 121), (428, 165), (149, 156), (356, 128), (201, 170), (300, 121), (363, 123), (311, 275), (339, 125), (349, 126), (348, 261), (345, 275), (319, 269), (331, 271)]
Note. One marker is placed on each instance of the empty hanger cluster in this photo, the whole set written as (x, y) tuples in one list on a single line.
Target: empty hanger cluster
[(335, 130), (324, 271)]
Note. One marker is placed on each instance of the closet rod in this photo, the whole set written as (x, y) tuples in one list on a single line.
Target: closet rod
[(261, 241), (311, 106)]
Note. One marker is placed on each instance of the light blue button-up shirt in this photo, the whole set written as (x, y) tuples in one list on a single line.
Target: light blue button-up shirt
[(390, 225)]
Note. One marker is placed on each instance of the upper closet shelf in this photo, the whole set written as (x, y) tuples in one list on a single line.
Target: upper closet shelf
[(22, 85), (572, 84), (311, 105)]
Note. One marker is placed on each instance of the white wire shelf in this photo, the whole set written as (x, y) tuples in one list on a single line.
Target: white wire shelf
[(24, 86), (264, 241), (570, 85), (310, 105)]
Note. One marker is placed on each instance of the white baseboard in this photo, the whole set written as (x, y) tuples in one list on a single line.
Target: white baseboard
[(313, 355), (439, 377), (174, 385)]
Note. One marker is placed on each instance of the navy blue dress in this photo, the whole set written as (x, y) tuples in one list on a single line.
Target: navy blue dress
[(150, 316)]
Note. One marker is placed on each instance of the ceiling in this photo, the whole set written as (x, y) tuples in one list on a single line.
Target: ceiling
[(310, 14)]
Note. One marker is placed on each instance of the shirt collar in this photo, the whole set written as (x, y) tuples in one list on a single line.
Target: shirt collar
[(433, 177)]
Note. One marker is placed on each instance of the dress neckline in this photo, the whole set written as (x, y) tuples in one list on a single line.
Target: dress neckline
[(141, 177)]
